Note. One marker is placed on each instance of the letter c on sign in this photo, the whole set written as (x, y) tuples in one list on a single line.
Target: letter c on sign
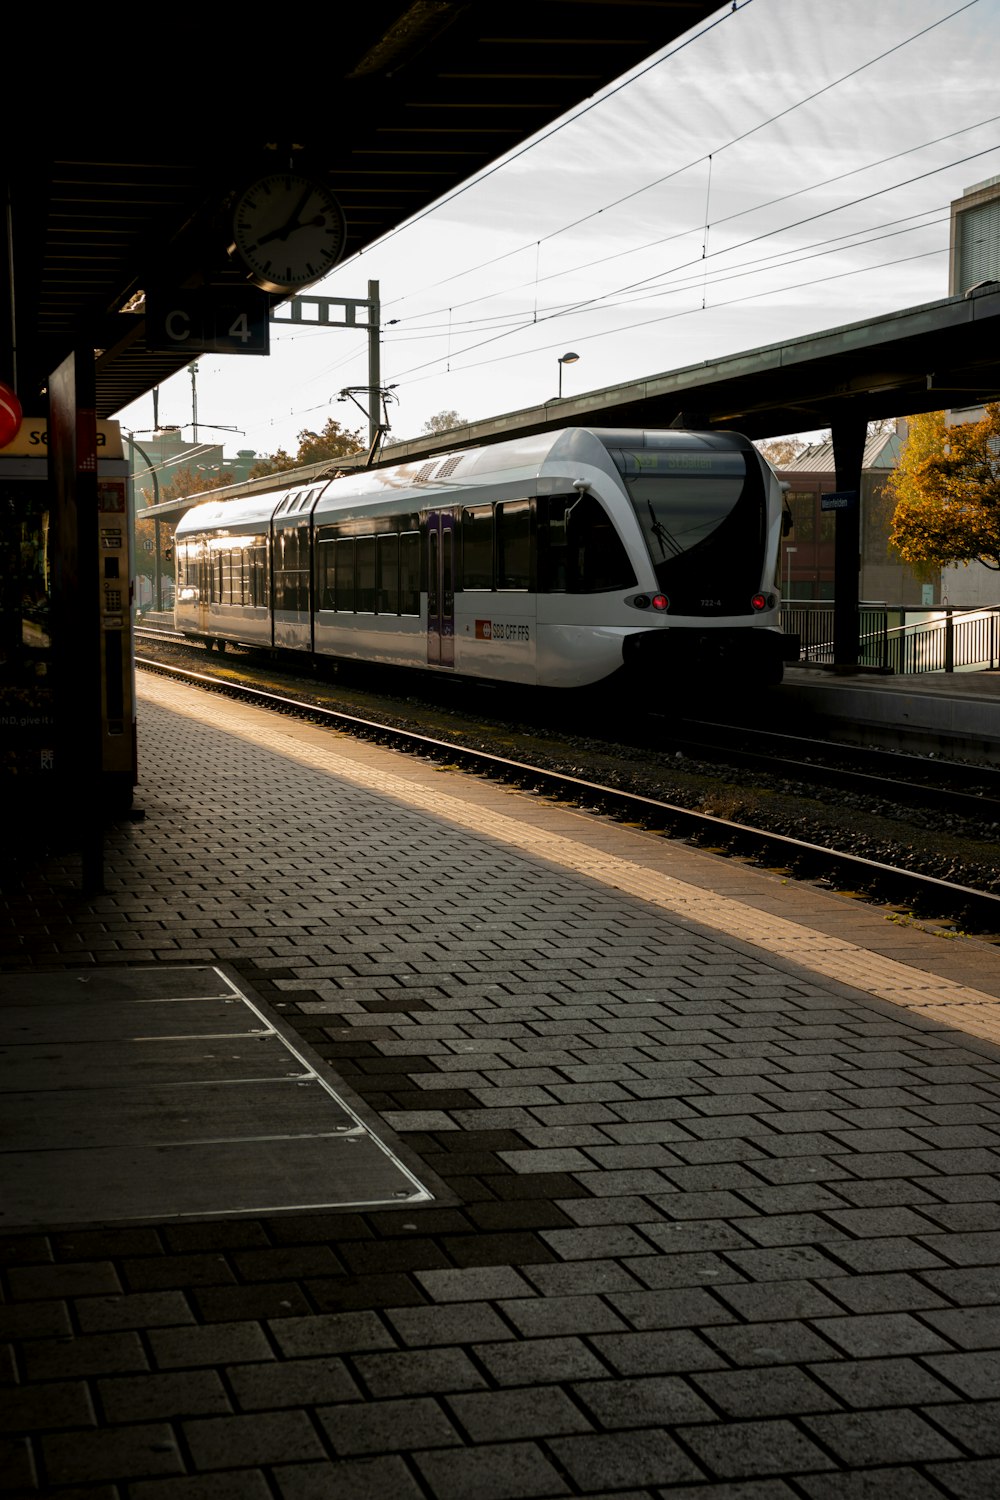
[(178, 326)]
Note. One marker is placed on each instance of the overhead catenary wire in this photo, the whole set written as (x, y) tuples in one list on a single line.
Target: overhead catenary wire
[(687, 312), (824, 213), (745, 212), (670, 282), (563, 124), (666, 177), (748, 268)]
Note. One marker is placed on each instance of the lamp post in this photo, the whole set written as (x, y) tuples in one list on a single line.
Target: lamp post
[(133, 448), (788, 571), (565, 359)]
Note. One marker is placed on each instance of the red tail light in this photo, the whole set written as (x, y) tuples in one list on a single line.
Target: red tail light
[(660, 601), (759, 601)]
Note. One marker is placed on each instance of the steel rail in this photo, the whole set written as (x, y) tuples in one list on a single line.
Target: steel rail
[(972, 908)]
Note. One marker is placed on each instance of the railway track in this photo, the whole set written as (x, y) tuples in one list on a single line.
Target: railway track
[(966, 790), (955, 904)]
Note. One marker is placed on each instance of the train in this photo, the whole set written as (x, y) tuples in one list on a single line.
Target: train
[(570, 559)]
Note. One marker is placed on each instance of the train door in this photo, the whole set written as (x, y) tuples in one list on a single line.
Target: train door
[(441, 588), (291, 573), (204, 584)]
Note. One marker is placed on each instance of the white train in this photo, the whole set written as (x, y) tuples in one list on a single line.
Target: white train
[(561, 560)]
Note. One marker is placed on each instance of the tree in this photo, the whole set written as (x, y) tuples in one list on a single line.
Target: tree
[(780, 452), (184, 483), (334, 441), (443, 421), (947, 492)]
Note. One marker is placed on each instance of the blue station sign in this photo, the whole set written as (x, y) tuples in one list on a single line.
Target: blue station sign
[(839, 500)]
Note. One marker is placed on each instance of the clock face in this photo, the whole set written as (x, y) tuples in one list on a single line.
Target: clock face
[(289, 230)]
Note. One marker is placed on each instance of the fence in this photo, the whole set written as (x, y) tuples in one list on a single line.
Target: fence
[(901, 639)]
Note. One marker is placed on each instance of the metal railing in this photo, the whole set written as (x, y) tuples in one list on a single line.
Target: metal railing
[(902, 639)]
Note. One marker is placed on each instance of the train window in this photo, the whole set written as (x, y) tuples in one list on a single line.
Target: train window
[(433, 570), (802, 504), (703, 517), (387, 574), (326, 594), (513, 535), (409, 573), (551, 532), (477, 547), (597, 556), (448, 570), (365, 575), (579, 550), (343, 564), (257, 561), (291, 568)]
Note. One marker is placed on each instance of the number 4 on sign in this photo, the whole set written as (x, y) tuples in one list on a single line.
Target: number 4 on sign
[(240, 329)]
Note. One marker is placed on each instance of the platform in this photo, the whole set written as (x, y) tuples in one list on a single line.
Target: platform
[(169, 1092), (950, 712), (709, 1160)]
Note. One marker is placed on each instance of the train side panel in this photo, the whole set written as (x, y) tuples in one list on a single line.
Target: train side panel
[(559, 560)]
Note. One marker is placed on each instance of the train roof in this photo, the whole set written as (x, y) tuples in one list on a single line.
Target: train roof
[(244, 510), (423, 481)]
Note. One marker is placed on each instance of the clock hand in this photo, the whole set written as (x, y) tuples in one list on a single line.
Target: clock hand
[(283, 234), (291, 223)]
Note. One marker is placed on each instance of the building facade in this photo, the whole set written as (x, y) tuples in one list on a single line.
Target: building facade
[(808, 551)]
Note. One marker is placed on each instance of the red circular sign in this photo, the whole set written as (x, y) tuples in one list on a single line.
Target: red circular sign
[(10, 415)]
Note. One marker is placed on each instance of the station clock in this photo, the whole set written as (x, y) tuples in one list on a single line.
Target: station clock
[(288, 230)]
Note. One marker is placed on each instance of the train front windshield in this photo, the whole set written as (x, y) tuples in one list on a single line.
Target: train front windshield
[(704, 519)]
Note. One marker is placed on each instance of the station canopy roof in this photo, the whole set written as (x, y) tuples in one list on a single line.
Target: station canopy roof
[(394, 102)]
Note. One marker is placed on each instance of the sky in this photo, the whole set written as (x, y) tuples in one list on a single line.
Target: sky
[(786, 167)]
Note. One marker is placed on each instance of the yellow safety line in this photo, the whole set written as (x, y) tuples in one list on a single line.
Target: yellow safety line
[(954, 1005)]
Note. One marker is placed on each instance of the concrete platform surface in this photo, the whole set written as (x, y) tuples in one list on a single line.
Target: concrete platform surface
[(167, 1092), (710, 1158), (936, 710)]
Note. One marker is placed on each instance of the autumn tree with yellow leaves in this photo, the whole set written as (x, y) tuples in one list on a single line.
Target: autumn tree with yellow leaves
[(946, 490), (334, 441)]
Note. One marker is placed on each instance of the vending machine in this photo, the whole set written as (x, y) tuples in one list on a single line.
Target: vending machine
[(36, 704)]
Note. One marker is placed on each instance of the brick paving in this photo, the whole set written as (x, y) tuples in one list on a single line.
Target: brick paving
[(712, 1221)]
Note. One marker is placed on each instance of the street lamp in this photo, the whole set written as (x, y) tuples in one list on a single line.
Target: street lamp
[(133, 449), (565, 359)]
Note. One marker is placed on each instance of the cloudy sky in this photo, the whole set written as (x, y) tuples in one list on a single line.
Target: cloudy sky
[(787, 170)]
